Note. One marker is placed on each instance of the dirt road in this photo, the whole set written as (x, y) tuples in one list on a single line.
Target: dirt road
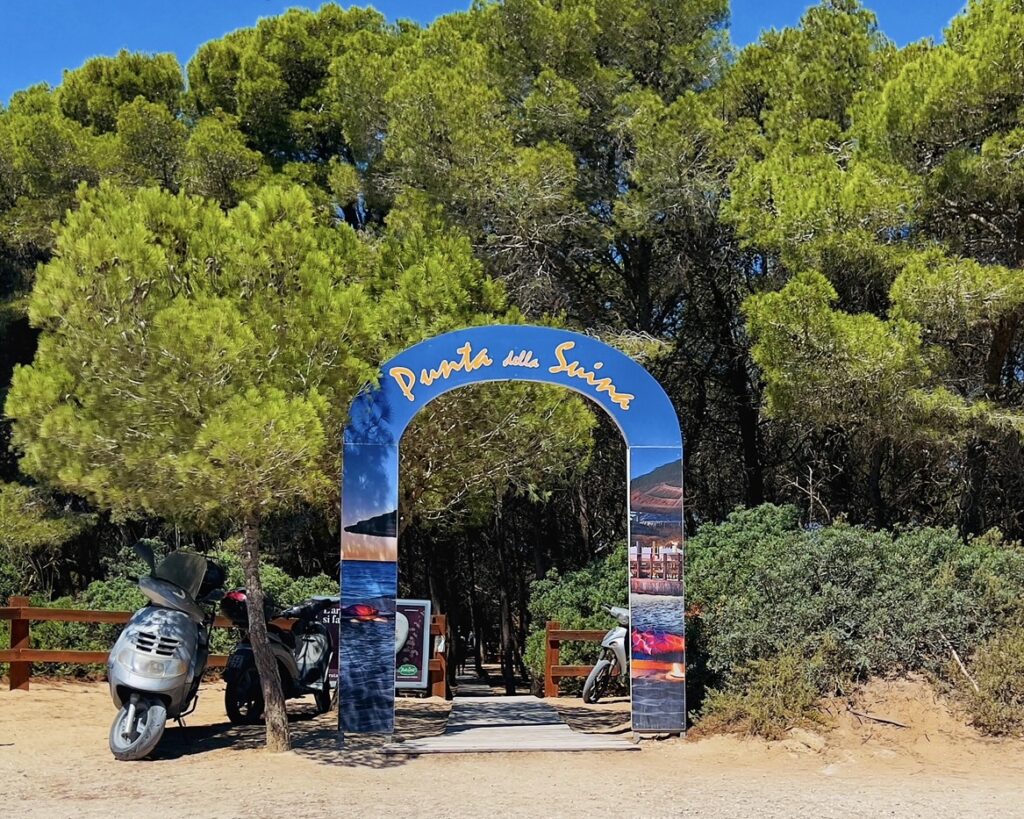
[(54, 762)]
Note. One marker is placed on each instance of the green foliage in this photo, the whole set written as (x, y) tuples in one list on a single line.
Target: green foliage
[(152, 143), (530, 436), (195, 304), (905, 196), (863, 603), (997, 707), (822, 365), (574, 599), (217, 162), (94, 93), (765, 698), (29, 520), (44, 157), (32, 529), (277, 585)]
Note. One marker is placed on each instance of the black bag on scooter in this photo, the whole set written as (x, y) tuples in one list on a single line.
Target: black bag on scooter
[(312, 651)]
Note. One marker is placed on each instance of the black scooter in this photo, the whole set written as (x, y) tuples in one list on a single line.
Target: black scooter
[(301, 646)]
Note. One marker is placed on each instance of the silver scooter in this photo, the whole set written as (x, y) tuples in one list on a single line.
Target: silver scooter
[(157, 663), (614, 657)]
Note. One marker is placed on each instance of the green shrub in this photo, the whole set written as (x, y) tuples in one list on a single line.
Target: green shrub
[(574, 600), (765, 698), (998, 669), (863, 602), (279, 586)]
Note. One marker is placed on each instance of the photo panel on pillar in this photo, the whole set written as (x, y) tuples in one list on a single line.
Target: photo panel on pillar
[(369, 526), (657, 607), (369, 586), (366, 680)]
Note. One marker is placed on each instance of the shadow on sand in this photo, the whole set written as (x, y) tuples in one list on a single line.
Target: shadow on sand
[(313, 736)]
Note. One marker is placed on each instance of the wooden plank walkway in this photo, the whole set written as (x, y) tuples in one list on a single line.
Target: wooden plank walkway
[(472, 687), (486, 724)]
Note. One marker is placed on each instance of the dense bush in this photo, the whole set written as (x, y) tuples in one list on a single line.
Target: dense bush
[(997, 707), (865, 602), (766, 697), (788, 613), (574, 600), (281, 587), (851, 602)]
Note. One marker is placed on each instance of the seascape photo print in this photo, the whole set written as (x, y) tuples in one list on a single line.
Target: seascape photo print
[(657, 608)]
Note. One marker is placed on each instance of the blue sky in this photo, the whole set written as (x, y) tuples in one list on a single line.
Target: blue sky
[(38, 39)]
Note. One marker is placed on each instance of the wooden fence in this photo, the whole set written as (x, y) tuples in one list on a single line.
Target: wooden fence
[(21, 656), (554, 636)]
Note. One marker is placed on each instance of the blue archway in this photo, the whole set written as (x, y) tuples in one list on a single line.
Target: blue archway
[(369, 540)]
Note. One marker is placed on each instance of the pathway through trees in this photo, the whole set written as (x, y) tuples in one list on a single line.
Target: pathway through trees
[(481, 722)]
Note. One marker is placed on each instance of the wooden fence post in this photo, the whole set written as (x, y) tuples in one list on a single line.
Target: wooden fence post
[(20, 671), (552, 650), (440, 684)]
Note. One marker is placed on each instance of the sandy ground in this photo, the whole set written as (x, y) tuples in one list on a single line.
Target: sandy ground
[(54, 762)]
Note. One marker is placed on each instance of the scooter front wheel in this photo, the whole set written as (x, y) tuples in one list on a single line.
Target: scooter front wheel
[(597, 681), (243, 698), (137, 728)]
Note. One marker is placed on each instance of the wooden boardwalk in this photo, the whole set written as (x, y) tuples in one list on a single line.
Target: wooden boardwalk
[(486, 724)]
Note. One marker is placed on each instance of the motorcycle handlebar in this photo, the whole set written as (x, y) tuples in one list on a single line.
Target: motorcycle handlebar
[(308, 608), (620, 614)]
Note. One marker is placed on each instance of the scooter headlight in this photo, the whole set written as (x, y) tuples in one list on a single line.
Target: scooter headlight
[(149, 666)]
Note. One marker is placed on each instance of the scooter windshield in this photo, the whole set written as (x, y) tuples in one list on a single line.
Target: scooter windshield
[(184, 569)]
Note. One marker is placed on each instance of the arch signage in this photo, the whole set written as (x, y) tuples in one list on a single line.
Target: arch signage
[(369, 537)]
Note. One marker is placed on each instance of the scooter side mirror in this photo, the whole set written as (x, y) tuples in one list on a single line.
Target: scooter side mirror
[(146, 554), (214, 596)]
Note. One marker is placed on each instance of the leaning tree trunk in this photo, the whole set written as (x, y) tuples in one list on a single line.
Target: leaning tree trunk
[(278, 738)]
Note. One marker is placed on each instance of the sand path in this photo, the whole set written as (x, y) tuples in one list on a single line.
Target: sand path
[(54, 762)]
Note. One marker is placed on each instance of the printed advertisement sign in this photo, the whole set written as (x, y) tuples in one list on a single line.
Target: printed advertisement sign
[(412, 644), (412, 641)]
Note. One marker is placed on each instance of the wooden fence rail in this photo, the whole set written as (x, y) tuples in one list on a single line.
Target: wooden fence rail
[(21, 656), (554, 636)]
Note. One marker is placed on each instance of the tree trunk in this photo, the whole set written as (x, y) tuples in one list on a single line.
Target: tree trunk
[(508, 639), (975, 469), (508, 671), (278, 738), (747, 415), (748, 404), (881, 515), (972, 518), (474, 616)]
